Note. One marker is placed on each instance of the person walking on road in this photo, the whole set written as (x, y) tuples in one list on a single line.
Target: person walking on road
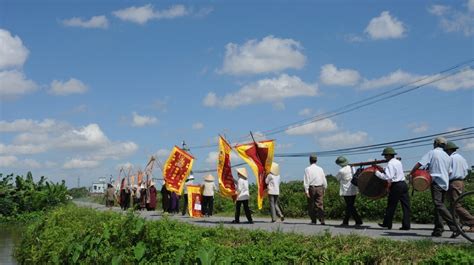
[(439, 163), (458, 172), (243, 196), (314, 185), (208, 189), (189, 181), (273, 182), (347, 190), (393, 173)]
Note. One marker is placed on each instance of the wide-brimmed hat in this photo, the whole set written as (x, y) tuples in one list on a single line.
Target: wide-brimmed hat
[(152, 183), (342, 161), (389, 151), (275, 169), (440, 140), (242, 171), (209, 178)]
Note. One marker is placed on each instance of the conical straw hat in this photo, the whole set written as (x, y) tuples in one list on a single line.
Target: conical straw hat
[(242, 172), (209, 178), (275, 170)]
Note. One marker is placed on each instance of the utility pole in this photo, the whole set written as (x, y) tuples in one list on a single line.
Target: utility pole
[(78, 182)]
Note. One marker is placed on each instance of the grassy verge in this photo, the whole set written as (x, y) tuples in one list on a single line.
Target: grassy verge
[(72, 234)]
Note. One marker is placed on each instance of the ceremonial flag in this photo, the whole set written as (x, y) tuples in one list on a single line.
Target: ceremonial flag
[(132, 180), (140, 177), (224, 172), (176, 169), (194, 200), (259, 156)]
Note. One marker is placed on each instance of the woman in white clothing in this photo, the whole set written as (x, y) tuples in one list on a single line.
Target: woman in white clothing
[(273, 182), (208, 189), (347, 190), (242, 196)]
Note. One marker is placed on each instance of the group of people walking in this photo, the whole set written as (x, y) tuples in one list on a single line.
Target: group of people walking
[(446, 167), (137, 197)]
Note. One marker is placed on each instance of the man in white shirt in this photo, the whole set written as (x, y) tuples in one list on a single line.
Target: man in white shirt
[(458, 171), (314, 185), (273, 184), (393, 173), (189, 181), (438, 163), (347, 190), (243, 196)]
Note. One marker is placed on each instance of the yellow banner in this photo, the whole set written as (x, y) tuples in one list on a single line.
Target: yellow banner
[(259, 156), (176, 169), (194, 201), (224, 170)]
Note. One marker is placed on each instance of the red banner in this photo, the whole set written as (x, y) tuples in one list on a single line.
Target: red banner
[(176, 169), (224, 172), (195, 200), (259, 156)]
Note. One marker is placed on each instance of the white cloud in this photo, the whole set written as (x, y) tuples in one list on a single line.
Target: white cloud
[(212, 158), (22, 149), (203, 12), (198, 126), (142, 120), (143, 14), (385, 27), (330, 75), (268, 55), (265, 90), (343, 139), (79, 163), (462, 80), (468, 145), (12, 51), (100, 22), (418, 127), (8, 161), (394, 78), (90, 136), (13, 162), (72, 86), (162, 153), (453, 20), (22, 125), (13, 83), (326, 125), (125, 166), (305, 112)]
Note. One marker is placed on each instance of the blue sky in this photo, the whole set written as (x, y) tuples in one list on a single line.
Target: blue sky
[(89, 86)]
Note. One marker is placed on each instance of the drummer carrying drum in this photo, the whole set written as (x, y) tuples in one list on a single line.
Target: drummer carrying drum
[(393, 173)]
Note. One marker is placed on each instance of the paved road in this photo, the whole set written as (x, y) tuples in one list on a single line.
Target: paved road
[(418, 231)]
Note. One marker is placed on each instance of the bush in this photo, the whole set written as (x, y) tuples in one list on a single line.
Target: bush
[(71, 235), (78, 192), (26, 196)]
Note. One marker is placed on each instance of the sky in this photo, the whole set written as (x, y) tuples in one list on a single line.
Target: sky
[(88, 87)]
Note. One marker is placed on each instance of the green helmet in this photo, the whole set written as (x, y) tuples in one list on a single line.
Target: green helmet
[(342, 161), (451, 146), (389, 151)]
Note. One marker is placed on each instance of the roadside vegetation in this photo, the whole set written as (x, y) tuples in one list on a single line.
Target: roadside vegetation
[(70, 234)]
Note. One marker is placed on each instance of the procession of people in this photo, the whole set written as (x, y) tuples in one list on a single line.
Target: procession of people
[(446, 167)]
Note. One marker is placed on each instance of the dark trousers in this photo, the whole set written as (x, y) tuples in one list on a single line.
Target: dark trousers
[(456, 187), (246, 209), (185, 204), (440, 211), (398, 192), (351, 210), (315, 203), (207, 205)]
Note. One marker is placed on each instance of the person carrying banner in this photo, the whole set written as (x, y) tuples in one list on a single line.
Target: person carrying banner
[(208, 189), (273, 182), (189, 181), (458, 171), (439, 163), (393, 173), (314, 185), (242, 196), (347, 190)]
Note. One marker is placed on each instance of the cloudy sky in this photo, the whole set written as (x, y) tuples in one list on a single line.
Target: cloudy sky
[(87, 87)]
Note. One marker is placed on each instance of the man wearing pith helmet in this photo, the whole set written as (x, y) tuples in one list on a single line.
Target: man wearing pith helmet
[(314, 185), (438, 162), (458, 171), (347, 190), (393, 173)]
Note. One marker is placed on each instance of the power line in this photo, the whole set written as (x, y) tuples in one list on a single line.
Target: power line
[(364, 102)]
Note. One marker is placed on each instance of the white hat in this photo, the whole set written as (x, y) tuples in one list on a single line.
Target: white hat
[(191, 177), (209, 178), (275, 170), (242, 171)]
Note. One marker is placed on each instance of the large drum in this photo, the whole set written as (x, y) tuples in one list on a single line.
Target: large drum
[(370, 185), (421, 180)]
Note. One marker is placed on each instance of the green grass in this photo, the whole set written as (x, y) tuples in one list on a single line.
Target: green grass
[(71, 234)]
